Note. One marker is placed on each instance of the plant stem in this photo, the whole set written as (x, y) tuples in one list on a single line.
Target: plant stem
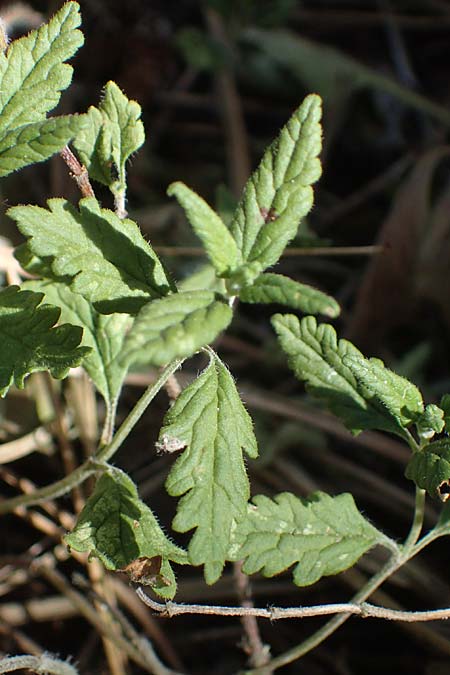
[(417, 524), (103, 455)]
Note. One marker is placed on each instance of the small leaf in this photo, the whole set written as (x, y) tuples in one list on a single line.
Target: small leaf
[(175, 327), (329, 367), (277, 288), (217, 240), (324, 535), (279, 193), (210, 420), (104, 335), (431, 422), (111, 263), (117, 527), (430, 469), (29, 341), (115, 133)]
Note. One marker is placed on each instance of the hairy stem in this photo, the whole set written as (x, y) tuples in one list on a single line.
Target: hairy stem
[(103, 455)]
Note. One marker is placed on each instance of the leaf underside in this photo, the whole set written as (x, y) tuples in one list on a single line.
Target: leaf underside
[(324, 535), (208, 418), (117, 527)]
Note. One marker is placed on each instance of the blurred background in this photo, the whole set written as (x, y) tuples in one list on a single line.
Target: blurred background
[(216, 81)]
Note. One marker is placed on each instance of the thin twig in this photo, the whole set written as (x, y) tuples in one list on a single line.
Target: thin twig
[(364, 610), (78, 172), (259, 653)]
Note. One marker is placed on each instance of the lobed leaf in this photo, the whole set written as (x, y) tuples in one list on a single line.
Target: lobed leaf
[(429, 468), (277, 288), (30, 342), (117, 527), (33, 72), (324, 535), (109, 261), (208, 418), (32, 76), (103, 334), (175, 327), (362, 392), (115, 132), (37, 142), (209, 227), (279, 193)]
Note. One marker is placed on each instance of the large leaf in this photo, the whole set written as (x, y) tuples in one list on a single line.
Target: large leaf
[(217, 240), (277, 288), (103, 334), (324, 535), (279, 193), (111, 263), (117, 527), (175, 326), (29, 342), (362, 392), (115, 132), (210, 420), (430, 469), (32, 76)]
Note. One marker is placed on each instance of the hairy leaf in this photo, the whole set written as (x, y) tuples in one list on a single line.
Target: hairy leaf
[(324, 535), (350, 385), (210, 420), (32, 76), (430, 469), (117, 527), (431, 422), (217, 240), (445, 405), (279, 193), (115, 132), (175, 326), (111, 263), (36, 142), (103, 334), (29, 342), (277, 288)]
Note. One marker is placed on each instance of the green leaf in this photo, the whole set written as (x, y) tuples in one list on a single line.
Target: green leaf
[(32, 76), (324, 535), (175, 327), (115, 132), (431, 422), (217, 240), (117, 527), (29, 342), (37, 142), (111, 263), (362, 392), (33, 72), (279, 193), (210, 420), (280, 289), (430, 469), (103, 334), (401, 398)]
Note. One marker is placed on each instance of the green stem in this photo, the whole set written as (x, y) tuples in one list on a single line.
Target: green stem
[(417, 524), (403, 554), (103, 455)]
